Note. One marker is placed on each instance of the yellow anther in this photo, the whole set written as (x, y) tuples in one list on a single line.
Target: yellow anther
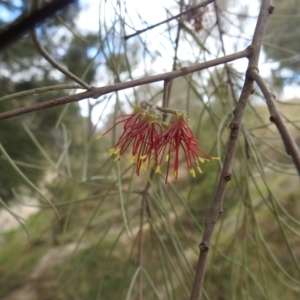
[(143, 157), (192, 171), (133, 159), (199, 169), (117, 158), (203, 160), (99, 136), (167, 157), (144, 166), (157, 170), (151, 163), (164, 126), (136, 109), (111, 151)]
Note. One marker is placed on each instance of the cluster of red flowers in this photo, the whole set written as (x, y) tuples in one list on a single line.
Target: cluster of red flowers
[(152, 142)]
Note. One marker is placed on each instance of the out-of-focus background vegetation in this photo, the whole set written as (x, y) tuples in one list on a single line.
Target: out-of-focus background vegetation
[(120, 236)]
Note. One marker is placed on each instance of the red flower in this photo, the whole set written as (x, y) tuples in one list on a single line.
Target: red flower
[(179, 135), (151, 144), (129, 121), (145, 136), (142, 131)]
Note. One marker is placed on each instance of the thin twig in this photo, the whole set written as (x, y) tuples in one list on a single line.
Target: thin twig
[(140, 250), (192, 9), (25, 178), (165, 100), (71, 29), (163, 109), (44, 89), (97, 92), (221, 32), (53, 62), (144, 209), (289, 142), (235, 125), (168, 84)]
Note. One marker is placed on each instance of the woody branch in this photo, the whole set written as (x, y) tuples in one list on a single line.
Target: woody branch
[(235, 125)]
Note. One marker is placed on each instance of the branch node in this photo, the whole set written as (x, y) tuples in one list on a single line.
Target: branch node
[(227, 178), (234, 126), (271, 9), (252, 92), (234, 130), (272, 119), (203, 247), (251, 50), (252, 70)]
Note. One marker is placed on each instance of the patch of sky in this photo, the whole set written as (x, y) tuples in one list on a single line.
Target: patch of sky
[(92, 51), (11, 10)]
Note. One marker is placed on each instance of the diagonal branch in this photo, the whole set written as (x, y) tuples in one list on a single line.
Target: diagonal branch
[(235, 126), (23, 24), (290, 144), (97, 92), (192, 9), (53, 62)]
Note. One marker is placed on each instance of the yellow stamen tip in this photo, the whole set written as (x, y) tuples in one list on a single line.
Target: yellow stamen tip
[(133, 159), (99, 136), (167, 157), (203, 160), (157, 170), (215, 158), (111, 151), (199, 169), (143, 157), (192, 171), (151, 163), (117, 158), (144, 166), (164, 126)]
